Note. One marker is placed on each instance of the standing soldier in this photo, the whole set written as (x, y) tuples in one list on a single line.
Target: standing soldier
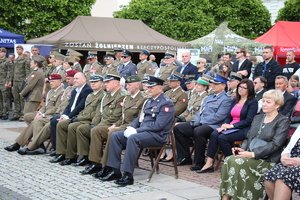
[(21, 70), (6, 67), (76, 55), (166, 70), (176, 93), (93, 67), (58, 63), (127, 68), (35, 51), (109, 60), (144, 67), (118, 55)]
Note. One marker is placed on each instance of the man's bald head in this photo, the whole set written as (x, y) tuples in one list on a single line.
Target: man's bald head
[(186, 57), (79, 79)]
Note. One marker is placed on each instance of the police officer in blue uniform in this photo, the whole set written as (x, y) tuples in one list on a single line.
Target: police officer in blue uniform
[(211, 115), (151, 128), (127, 68)]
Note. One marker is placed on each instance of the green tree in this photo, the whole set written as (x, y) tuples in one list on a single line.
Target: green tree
[(290, 11), (177, 19), (36, 18)]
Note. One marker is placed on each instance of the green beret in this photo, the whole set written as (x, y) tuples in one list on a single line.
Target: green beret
[(134, 78)]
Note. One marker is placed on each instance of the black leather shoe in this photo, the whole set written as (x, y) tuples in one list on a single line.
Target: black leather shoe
[(91, 169), (37, 151), (23, 151), (166, 160), (184, 161), (110, 176), (5, 117), (14, 118), (68, 161), (124, 181), (13, 147), (196, 167), (81, 162), (58, 158), (51, 153), (101, 173), (207, 170)]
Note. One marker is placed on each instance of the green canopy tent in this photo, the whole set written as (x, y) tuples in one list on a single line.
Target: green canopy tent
[(223, 40)]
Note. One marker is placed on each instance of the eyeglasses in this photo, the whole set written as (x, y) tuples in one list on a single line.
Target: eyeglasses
[(123, 56), (238, 52), (256, 82), (244, 88)]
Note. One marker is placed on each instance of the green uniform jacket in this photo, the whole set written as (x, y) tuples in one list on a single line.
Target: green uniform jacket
[(91, 103), (194, 105), (49, 70), (61, 72), (77, 67), (109, 68), (165, 72), (117, 62), (96, 68), (179, 99), (131, 109), (144, 68), (6, 67), (110, 109), (64, 100), (21, 69), (53, 99), (34, 86)]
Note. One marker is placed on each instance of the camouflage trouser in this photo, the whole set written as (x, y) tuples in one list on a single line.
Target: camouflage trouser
[(18, 101), (4, 100)]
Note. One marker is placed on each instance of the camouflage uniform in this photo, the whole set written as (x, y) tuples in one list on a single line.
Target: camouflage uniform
[(6, 67)]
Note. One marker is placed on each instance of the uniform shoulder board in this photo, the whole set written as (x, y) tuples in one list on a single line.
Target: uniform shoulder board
[(174, 63), (99, 63), (163, 64), (28, 60)]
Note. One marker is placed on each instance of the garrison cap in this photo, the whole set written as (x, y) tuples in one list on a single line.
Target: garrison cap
[(69, 59), (38, 58), (189, 78), (2, 49), (72, 52), (175, 76), (95, 78), (54, 53), (112, 76), (19, 46), (54, 77), (153, 81), (235, 76), (71, 73), (144, 51), (202, 81), (109, 55), (133, 78), (126, 53), (59, 57), (92, 54), (218, 78), (118, 50)]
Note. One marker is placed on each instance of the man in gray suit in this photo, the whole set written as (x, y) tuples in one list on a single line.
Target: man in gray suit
[(151, 128), (213, 112)]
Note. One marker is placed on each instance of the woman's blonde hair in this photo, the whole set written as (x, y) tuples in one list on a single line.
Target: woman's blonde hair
[(202, 60), (276, 95)]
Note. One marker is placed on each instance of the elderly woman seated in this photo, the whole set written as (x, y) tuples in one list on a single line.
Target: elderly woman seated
[(242, 173)]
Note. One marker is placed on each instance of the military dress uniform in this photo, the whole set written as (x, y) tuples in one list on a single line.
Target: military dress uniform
[(108, 69), (165, 72), (144, 67), (6, 67), (20, 71), (117, 62), (32, 92), (60, 70), (92, 69), (108, 112), (128, 70), (36, 125)]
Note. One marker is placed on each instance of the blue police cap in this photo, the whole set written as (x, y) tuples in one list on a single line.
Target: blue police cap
[(126, 53), (144, 51), (152, 81), (218, 78), (118, 50)]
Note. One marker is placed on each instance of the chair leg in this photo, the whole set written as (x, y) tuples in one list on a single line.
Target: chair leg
[(155, 164), (173, 145), (219, 161), (137, 160)]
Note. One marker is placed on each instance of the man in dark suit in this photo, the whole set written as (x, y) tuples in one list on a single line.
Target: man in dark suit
[(187, 68), (151, 128), (77, 103), (260, 84), (281, 83), (127, 68), (242, 65)]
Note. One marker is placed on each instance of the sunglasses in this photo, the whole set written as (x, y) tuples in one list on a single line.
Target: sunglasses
[(199, 63), (238, 52)]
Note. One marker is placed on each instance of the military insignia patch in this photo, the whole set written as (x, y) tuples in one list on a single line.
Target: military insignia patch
[(136, 72), (32, 76), (150, 69), (122, 103), (183, 100), (167, 109)]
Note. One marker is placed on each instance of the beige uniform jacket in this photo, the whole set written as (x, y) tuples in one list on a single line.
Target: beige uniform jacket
[(179, 99), (165, 72), (144, 68), (53, 98)]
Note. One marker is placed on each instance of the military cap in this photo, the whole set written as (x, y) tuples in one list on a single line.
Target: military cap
[(92, 54), (218, 78), (112, 76), (202, 81), (169, 55), (19, 47), (69, 59), (189, 78), (109, 55), (235, 77), (95, 78), (206, 77), (2, 49), (38, 58), (133, 78), (175, 76), (118, 50), (126, 53), (54, 77), (71, 73), (144, 51), (59, 57), (145, 78), (54, 53), (152, 81), (72, 52)]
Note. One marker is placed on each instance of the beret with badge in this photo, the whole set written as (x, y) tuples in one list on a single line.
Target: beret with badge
[(54, 77), (132, 79), (71, 73)]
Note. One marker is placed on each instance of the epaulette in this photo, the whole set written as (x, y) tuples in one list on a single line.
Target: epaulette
[(174, 63), (163, 64)]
